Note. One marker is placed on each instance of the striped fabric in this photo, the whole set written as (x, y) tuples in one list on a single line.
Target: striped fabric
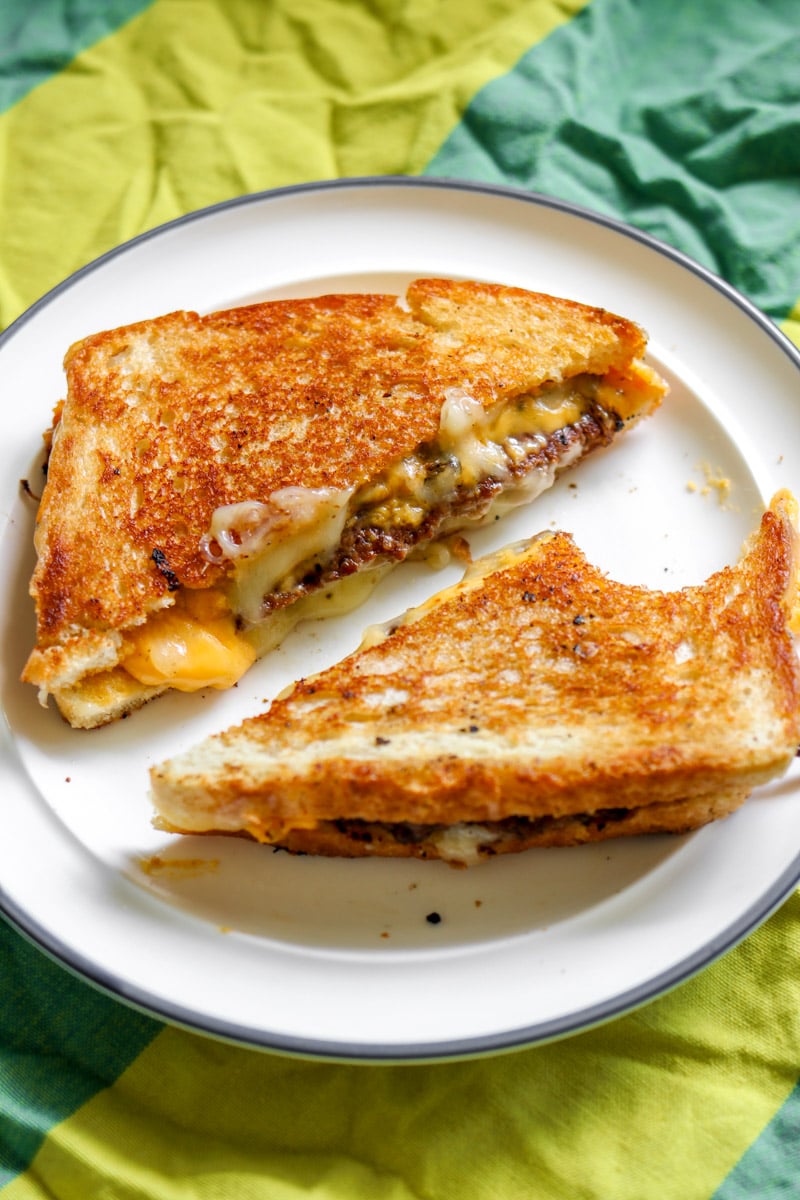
[(681, 118)]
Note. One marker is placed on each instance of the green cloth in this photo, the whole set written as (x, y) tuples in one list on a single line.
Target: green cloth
[(683, 119)]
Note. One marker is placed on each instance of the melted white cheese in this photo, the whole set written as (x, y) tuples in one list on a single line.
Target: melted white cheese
[(461, 843), (268, 542)]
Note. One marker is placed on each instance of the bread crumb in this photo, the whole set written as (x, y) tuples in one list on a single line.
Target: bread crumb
[(715, 482)]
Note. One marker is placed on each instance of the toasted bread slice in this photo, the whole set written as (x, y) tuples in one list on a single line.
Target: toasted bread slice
[(212, 478), (536, 703)]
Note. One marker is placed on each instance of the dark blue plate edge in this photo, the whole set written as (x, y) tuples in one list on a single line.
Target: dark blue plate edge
[(521, 1038), (436, 184)]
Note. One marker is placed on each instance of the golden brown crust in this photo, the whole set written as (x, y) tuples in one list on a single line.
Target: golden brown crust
[(166, 420), (564, 345), (540, 689)]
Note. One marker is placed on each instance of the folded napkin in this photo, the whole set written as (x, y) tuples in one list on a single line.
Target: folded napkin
[(682, 119)]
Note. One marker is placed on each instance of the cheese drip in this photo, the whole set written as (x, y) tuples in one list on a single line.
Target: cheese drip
[(192, 645)]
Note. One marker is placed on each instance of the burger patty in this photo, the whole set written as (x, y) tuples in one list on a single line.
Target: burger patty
[(365, 543)]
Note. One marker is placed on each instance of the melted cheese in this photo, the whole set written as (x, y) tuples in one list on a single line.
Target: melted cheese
[(197, 643), (193, 645), (272, 545), (478, 437), (463, 843), (475, 443)]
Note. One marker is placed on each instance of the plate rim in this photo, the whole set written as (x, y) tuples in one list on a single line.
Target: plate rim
[(388, 1053), (520, 1037), (434, 183)]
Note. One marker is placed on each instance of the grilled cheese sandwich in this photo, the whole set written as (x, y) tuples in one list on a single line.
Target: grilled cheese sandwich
[(536, 703), (212, 480)]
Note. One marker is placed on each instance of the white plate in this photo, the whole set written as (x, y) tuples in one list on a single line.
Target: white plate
[(337, 958)]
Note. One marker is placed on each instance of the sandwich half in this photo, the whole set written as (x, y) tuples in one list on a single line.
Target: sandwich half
[(214, 479), (536, 703)]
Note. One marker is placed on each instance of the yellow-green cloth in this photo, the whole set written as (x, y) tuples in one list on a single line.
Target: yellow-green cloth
[(681, 118)]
